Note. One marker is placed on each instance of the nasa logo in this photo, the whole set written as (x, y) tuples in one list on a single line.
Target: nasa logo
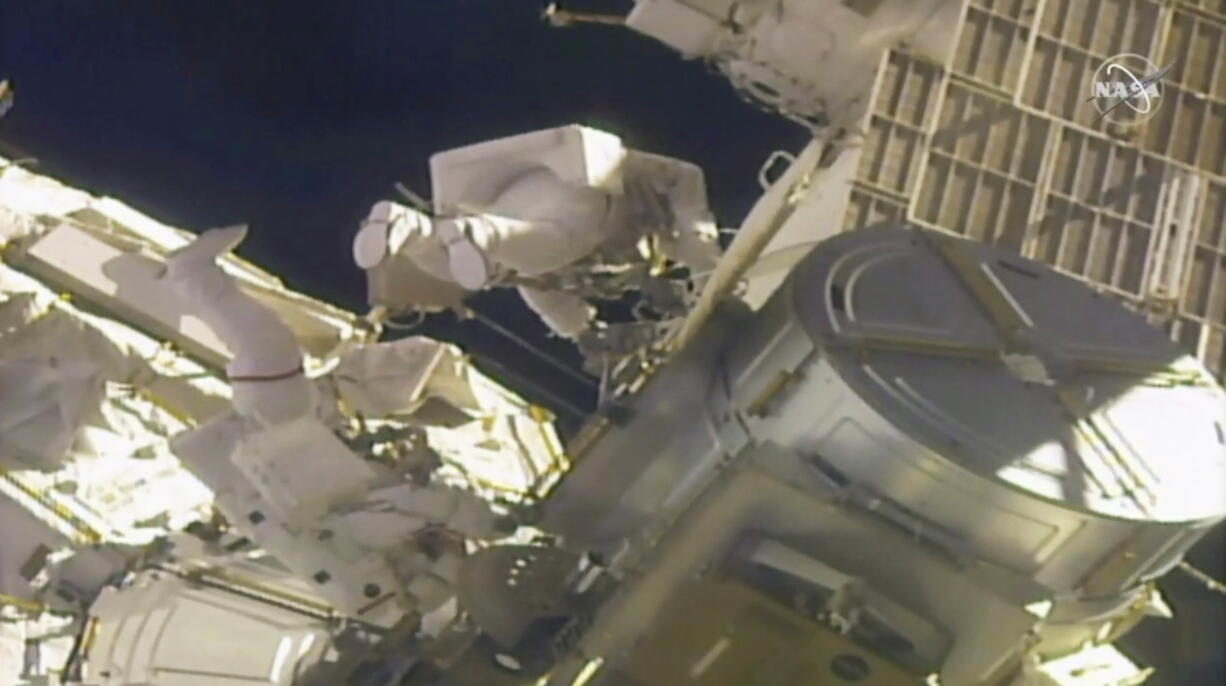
[(1127, 89)]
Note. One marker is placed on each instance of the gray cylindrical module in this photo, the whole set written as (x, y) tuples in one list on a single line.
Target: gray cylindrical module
[(986, 397), (1034, 442), (1040, 423)]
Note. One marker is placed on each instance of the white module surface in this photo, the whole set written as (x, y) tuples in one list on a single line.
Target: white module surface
[(1020, 374)]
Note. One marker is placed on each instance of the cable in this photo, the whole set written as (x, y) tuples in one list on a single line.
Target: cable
[(1210, 583), (533, 350), (554, 399), (415, 201)]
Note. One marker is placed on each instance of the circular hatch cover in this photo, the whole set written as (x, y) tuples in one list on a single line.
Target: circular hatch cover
[(1018, 373)]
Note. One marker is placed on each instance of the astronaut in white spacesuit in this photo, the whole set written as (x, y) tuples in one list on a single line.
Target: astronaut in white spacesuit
[(276, 406), (540, 232)]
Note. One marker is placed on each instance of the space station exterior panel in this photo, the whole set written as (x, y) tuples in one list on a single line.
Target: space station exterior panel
[(692, 30), (1044, 475), (999, 142), (130, 434), (880, 370), (881, 416), (974, 118), (163, 630), (922, 356)]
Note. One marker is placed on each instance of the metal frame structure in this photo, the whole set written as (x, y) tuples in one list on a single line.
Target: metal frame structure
[(1000, 144)]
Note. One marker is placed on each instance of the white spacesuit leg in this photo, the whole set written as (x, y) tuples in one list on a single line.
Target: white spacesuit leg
[(540, 224), (267, 361), (537, 225)]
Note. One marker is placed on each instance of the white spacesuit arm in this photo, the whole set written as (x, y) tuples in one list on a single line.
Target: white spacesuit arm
[(695, 245), (388, 516), (692, 239)]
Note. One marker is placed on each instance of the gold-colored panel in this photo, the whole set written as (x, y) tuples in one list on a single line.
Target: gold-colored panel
[(722, 633)]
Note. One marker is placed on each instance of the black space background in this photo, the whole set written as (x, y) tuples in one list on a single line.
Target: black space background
[(295, 117)]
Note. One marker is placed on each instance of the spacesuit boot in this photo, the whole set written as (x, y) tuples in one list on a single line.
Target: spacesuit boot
[(441, 248), (266, 369)]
